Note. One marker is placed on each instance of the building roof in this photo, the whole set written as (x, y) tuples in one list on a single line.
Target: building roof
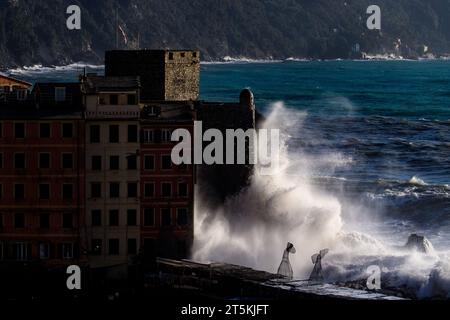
[(44, 93), (95, 84), (25, 83), (26, 112), (168, 111)]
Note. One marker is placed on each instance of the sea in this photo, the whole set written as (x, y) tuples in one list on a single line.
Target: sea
[(367, 165)]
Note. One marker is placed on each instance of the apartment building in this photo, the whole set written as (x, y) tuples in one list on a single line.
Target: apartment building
[(42, 177), (167, 190), (112, 174)]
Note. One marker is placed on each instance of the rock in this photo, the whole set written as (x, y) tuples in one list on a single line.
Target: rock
[(419, 243)]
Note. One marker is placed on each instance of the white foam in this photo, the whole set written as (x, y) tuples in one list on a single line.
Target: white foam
[(253, 227), (38, 69)]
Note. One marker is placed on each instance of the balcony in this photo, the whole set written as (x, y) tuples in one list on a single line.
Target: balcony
[(113, 112)]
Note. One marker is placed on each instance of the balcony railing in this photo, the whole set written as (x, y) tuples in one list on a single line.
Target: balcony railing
[(113, 111)]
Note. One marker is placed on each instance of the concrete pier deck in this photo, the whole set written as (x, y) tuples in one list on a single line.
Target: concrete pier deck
[(230, 281)]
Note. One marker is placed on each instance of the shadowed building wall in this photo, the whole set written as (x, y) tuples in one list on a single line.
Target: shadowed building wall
[(165, 75)]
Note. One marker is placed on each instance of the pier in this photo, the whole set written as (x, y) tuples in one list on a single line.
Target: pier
[(227, 281)]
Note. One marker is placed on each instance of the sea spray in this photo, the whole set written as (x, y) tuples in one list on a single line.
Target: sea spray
[(252, 227)]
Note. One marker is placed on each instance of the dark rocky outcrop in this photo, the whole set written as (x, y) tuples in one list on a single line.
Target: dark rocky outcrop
[(419, 243)]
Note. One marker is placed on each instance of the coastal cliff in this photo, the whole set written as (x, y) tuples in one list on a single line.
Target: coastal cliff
[(34, 32)]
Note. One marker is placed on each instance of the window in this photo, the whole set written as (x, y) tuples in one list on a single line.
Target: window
[(19, 220), (114, 190), (132, 162), (166, 189), (132, 133), (19, 160), (132, 189), (44, 220), (113, 218), (166, 162), (67, 250), (44, 191), (182, 54), (182, 216), (131, 217), (113, 99), (96, 218), (22, 94), (21, 251), (60, 94), (94, 133), (166, 219), (67, 221), (67, 191), (149, 162), (113, 246), (114, 163), (132, 246), (114, 133), (194, 54), (96, 190), (96, 247), (166, 135), (19, 130), (44, 251), (170, 55), (149, 190), (67, 130), (67, 160), (19, 191), (96, 163), (149, 217), (182, 190), (44, 130), (44, 160), (149, 136), (131, 99)]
